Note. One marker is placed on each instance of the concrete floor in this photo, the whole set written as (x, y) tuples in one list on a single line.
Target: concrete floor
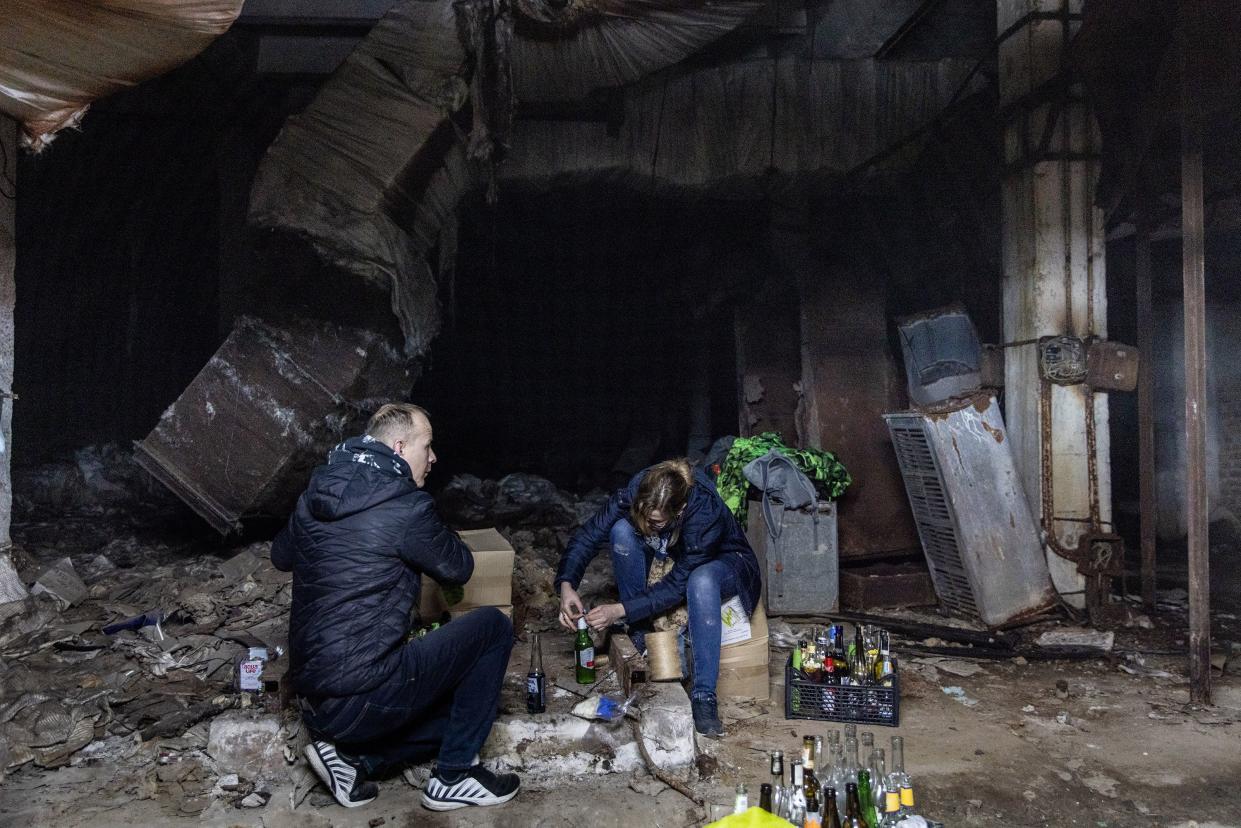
[(1118, 750)]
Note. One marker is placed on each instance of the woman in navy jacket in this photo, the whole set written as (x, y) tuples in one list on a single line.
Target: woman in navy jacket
[(671, 510)]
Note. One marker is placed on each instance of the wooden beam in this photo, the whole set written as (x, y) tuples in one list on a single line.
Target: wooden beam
[(630, 665), (1193, 266), (1146, 411)]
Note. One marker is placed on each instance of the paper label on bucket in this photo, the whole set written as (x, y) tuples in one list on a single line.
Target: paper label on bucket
[(734, 623)]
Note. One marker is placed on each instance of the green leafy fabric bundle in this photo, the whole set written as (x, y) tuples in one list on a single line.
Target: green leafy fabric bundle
[(829, 475)]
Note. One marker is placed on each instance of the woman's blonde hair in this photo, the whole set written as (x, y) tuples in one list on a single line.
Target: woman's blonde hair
[(664, 488)]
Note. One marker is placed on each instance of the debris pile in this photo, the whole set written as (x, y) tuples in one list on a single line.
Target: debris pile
[(125, 654)]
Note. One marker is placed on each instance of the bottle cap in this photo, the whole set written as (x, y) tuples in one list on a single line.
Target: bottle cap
[(581, 623)]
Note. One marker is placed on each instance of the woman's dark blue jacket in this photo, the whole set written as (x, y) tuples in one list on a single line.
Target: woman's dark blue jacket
[(708, 532)]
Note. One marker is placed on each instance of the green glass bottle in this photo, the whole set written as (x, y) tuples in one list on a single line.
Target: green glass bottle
[(584, 649), (866, 800)]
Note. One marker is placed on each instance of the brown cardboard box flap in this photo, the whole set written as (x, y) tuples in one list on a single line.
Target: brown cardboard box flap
[(744, 671), (457, 613), (491, 585)]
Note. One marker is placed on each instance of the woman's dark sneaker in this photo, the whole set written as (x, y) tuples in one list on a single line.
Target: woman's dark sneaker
[(706, 717), (446, 791), (342, 777)]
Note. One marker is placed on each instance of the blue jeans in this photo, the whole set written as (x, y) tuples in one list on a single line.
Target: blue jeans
[(710, 585), (441, 700)]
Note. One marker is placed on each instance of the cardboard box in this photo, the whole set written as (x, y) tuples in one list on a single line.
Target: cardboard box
[(743, 670), (457, 613), (491, 585), (736, 628)]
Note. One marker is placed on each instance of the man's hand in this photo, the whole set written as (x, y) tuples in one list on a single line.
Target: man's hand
[(570, 606), (602, 617)]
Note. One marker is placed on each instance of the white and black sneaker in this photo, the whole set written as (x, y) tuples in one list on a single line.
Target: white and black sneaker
[(478, 786), (346, 782)]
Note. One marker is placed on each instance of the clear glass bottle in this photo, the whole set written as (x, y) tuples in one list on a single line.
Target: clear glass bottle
[(850, 766), (836, 778), (866, 743), (797, 799), (898, 779), (891, 810), (878, 779), (741, 800), (777, 768)]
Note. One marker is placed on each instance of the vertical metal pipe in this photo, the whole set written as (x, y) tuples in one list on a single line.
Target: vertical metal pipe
[(1192, 257), (1146, 412)]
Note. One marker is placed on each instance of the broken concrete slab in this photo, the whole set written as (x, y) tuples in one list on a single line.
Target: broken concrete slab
[(61, 582), (1077, 637), (552, 747), (246, 743), (667, 726)]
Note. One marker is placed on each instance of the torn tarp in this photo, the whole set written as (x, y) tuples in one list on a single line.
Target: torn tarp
[(373, 169), (55, 58)]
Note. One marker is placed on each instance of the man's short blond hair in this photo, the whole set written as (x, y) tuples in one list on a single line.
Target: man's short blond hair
[(395, 421)]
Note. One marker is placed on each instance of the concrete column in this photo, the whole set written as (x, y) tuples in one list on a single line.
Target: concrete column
[(11, 587), (1054, 273)]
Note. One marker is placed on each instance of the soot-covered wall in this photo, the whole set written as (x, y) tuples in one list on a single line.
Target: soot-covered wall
[(570, 325), (131, 248)]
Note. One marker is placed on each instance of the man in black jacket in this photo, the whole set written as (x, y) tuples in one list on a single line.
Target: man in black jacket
[(361, 537)]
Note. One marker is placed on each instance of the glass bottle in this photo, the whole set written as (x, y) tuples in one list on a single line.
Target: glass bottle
[(831, 812), (811, 779), (797, 799), (536, 681), (878, 780), (819, 766), (866, 802), (850, 766), (741, 802), (891, 810), (777, 768), (852, 808), (813, 818), (898, 780), (584, 652), (866, 743), (807, 750), (836, 778), (764, 798)]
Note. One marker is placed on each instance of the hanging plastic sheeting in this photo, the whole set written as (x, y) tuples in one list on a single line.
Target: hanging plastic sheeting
[(57, 57), (373, 169)]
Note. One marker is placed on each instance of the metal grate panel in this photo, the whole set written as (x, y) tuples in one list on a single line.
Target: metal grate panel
[(932, 512)]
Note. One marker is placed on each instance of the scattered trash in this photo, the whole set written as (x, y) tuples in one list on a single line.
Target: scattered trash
[(958, 693), (62, 583), (1077, 637), (606, 708)]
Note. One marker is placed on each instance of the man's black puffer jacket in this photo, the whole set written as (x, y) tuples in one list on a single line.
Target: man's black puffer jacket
[(357, 543)]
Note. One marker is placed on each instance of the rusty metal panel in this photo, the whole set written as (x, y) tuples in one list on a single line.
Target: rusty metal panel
[(1111, 366), (977, 530), (241, 439)]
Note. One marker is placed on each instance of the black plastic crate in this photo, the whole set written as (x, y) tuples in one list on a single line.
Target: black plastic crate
[(841, 703)]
